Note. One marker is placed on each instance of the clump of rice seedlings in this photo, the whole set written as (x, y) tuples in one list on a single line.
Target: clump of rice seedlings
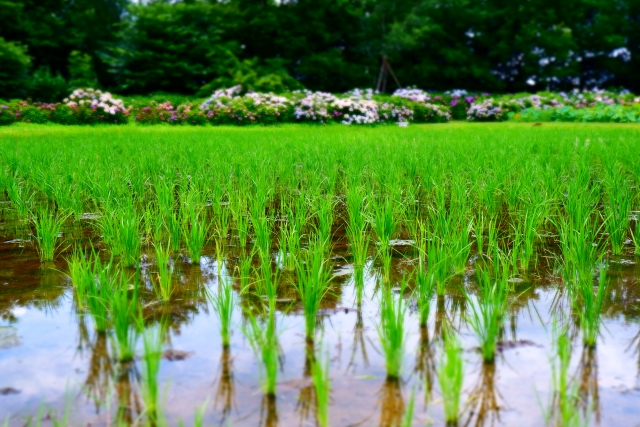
[(21, 196), (590, 308), (439, 264), (121, 230), (263, 337), (617, 207), (123, 309), (322, 385), (424, 292), (323, 207), (384, 221), (194, 232), (291, 232), (244, 270), (262, 228), (527, 231), (357, 226), (238, 206), (164, 280), (635, 236), (492, 236), (48, 226), (487, 315), (563, 407), (314, 276), (450, 377), (153, 340), (223, 303), (391, 330), (580, 250), (80, 272), (99, 285)]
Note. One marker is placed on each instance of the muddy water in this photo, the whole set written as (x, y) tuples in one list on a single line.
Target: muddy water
[(51, 358)]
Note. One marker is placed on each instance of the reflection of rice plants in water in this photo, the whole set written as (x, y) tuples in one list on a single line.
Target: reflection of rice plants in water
[(450, 377)]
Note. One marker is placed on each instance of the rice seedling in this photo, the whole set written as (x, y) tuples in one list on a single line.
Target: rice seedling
[(262, 228), (194, 232), (487, 315), (439, 265), (384, 222), (48, 227), (123, 309), (314, 276), (424, 291), (391, 330), (478, 229), (590, 307), (164, 279), (223, 302), (450, 377), (99, 285), (120, 227), (323, 211), (322, 385), (21, 196), (263, 337), (357, 226), (617, 207), (238, 207), (153, 341)]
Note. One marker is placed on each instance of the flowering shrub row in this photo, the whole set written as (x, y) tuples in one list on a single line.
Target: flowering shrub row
[(357, 107)]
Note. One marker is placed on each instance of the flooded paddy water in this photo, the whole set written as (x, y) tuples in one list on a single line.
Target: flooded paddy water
[(53, 358)]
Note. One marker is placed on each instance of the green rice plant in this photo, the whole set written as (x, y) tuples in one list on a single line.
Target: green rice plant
[(357, 227), (123, 309), (263, 337), (451, 377), (262, 228), (164, 280), (564, 405), (590, 308), (80, 273), (323, 211), (635, 236), (153, 341), (99, 287), (492, 236), (439, 264), (478, 229), (238, 206), (223, 303), (487, 315), (291, 233), (424, 292), (244, 270), (48, 227), (391, 330), (194, 232), (314, 277), (527, 230), (617, 207), (22, 197), (121, 232), (322, 385), (384, 222), (269, 279), (580, 249)]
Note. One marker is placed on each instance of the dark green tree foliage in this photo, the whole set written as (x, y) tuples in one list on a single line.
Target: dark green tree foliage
[(14, 64), (332, 45), (171, 47)]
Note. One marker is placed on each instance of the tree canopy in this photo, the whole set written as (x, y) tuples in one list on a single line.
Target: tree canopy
[(333, 45)]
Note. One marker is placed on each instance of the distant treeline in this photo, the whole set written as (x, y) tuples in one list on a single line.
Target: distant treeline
[(48, 47)]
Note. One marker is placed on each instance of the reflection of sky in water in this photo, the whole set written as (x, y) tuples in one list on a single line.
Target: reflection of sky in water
[(51, 362)]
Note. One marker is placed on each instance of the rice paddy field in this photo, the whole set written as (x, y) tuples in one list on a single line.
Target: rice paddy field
[(457, 274)]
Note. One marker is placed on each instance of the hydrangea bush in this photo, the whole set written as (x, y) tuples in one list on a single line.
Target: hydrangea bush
[(357, 107)]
